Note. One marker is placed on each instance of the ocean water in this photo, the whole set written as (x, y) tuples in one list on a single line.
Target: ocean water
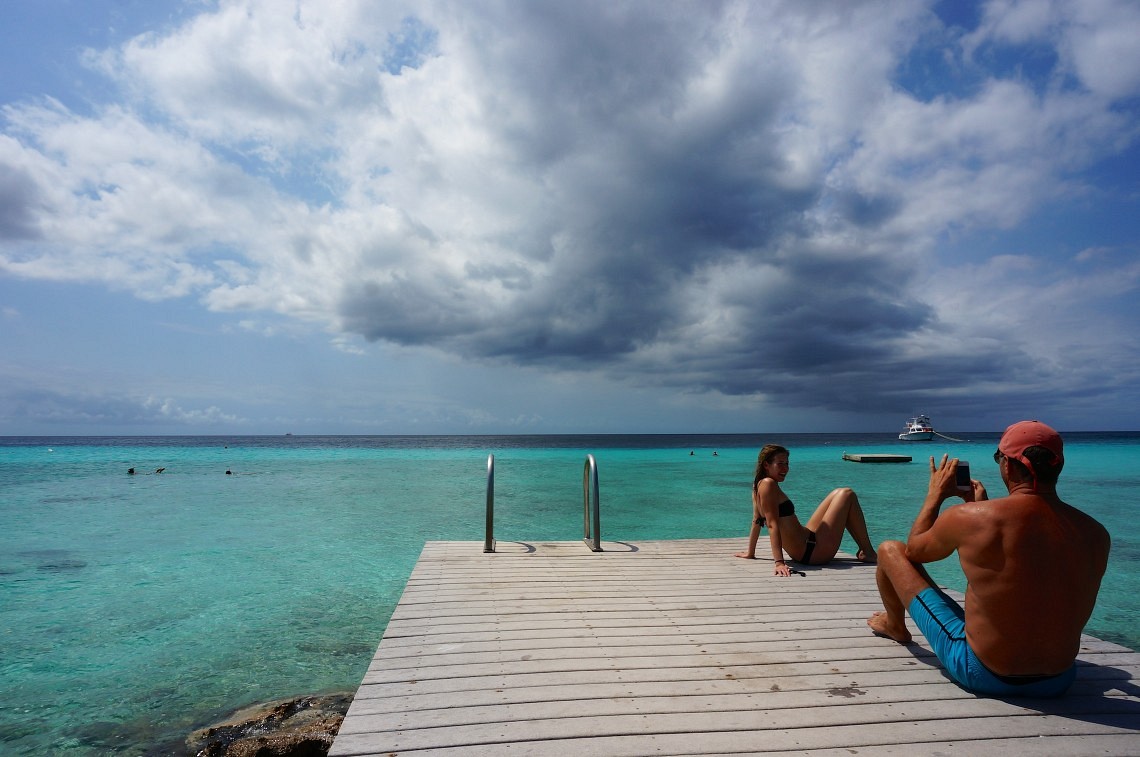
[(134, 609)]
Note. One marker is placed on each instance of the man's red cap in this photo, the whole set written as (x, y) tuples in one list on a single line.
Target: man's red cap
[(1025, 434)]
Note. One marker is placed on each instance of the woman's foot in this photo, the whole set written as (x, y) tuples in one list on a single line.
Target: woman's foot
[(865, 555), (881, 625)]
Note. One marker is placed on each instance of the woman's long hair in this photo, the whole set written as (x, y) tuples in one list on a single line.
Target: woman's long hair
[(765, 457)]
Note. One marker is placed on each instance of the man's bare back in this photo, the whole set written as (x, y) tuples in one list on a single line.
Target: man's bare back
[(1033, 565)]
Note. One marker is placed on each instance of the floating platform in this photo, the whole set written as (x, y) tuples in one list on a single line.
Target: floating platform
[(679, 648), (876, 458)]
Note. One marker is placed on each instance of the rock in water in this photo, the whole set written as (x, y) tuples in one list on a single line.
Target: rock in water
[(298, 727)]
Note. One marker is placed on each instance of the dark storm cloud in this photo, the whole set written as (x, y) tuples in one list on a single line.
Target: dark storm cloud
[(828, 336), (656, 169), (405, 312)]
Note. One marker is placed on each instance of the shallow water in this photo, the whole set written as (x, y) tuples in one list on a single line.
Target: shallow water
[(136, 608)]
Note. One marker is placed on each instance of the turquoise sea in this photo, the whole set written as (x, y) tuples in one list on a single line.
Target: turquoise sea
[(135, 608)]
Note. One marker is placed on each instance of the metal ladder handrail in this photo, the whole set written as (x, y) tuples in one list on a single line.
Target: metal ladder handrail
[(592, 538), (489, 541)]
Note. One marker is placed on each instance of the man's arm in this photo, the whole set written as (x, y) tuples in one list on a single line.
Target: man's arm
[(933, 538)]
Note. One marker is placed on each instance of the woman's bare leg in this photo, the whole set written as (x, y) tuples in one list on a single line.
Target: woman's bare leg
[(839, 511), (857, 527)]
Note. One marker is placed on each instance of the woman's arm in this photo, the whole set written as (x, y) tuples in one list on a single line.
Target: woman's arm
[(767, 494), (753, 537), (754, 533), (780, 566)]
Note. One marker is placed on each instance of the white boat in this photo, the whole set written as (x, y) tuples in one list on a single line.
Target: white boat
[(918, 429)]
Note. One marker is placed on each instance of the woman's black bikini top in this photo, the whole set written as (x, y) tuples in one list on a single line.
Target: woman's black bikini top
[(786, 508)]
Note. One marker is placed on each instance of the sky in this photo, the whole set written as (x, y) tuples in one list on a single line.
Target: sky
[(481, 216)]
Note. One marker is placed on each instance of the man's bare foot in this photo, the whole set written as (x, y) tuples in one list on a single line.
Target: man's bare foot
[(745, 555), (881, 626), (865, 556)]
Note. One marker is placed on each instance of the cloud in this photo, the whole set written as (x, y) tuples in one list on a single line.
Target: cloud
[(166, 410), (18, 198), (78, 412), (1092, 40), (725, 197)]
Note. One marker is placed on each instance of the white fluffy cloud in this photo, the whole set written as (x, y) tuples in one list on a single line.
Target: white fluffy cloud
[(735, 197)]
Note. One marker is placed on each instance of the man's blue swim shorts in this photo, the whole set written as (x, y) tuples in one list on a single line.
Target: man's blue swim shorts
[(943, 623)]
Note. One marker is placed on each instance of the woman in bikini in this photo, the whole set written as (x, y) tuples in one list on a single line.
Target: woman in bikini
[(818, 541)]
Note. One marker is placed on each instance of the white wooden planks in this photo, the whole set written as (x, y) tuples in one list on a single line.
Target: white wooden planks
[(676, 647)]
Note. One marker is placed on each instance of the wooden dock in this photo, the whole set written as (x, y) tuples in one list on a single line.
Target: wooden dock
[(678, 648)]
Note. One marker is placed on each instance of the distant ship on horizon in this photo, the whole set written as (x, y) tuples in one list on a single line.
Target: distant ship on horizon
[(918, 429)]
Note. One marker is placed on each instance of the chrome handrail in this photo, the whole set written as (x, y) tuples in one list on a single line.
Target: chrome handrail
[(593, 538), (489, 541)]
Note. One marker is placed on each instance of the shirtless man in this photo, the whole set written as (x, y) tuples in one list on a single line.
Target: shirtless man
[(1033, 566)]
